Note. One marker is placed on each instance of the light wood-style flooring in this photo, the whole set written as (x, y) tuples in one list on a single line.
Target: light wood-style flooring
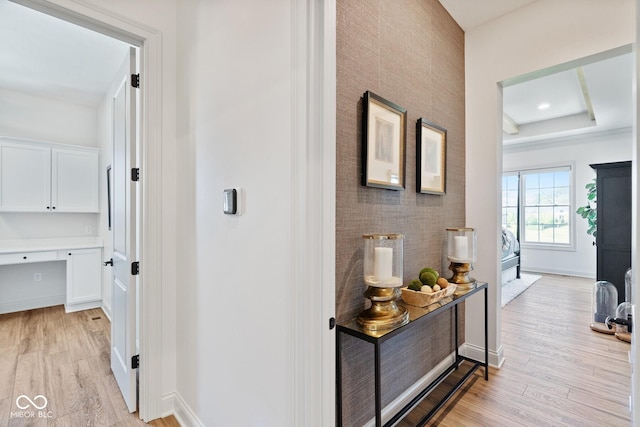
[(557, 372), (66, 359)]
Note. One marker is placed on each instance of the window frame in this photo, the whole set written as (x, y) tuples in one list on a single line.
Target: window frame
[(555, 167)]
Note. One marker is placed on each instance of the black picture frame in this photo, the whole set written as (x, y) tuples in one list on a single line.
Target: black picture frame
[(431, 158), (383, 143)]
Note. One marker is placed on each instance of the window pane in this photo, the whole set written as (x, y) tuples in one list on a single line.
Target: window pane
[(546, 180), (546, 224), (531, 181), (561, 196), (532, 197), (546, 196), (561, 179), (512, 182), (512, 198)]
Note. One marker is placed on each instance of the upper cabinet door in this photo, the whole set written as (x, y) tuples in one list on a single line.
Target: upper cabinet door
[(74, 185), (25, 178)]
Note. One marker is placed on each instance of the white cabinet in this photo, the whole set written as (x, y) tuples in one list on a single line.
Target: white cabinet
[(44, 177), (84, 278)]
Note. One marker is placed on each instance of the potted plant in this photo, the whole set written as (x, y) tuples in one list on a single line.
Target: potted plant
[(589, 210)]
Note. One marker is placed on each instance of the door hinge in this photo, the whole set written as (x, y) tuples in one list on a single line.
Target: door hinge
[(135, 80), (135, 174), (135, 361), (135, 268)]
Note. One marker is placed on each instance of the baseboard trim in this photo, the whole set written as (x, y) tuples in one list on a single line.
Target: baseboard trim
[(496, 358), (82, 306), (173, 404), (11, 307), (398, 403), (106, 309), (586, 275)]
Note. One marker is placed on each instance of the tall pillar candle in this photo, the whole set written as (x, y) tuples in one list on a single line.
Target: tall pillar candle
[(460, 248), (382, 263)]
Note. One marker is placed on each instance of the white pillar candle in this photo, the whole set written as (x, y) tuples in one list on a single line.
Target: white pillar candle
[(460, 248), (382, 263)]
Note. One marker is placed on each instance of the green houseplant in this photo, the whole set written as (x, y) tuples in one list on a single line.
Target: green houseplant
[(589, 210)]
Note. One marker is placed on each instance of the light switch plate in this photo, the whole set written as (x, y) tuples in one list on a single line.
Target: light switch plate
[(230, 203)]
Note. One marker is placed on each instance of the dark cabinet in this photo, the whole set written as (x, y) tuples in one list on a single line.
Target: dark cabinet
[(613, 238)]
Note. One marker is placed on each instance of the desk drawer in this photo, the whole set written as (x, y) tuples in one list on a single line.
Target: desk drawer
[(27, 257)]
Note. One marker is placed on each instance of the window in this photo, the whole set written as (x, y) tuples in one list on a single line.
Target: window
[(510, 185), (545, 205)]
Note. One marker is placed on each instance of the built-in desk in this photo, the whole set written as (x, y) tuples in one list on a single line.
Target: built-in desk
[(83, 258)]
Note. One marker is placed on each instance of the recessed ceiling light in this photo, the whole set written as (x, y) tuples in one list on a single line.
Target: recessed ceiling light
[(544, 106)]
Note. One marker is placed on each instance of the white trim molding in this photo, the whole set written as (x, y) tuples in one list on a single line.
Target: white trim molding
[(173, 404), (496, 358), (313, 166)]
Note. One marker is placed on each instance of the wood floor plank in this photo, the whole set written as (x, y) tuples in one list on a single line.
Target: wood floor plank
[(61, 382), (66, 358), (8, 363), (10, 327), (557, 372)]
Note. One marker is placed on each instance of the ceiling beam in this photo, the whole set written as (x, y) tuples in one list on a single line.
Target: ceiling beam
[(585, 92), (509, 125)]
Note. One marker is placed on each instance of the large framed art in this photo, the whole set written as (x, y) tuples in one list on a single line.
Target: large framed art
[(383, 143), (431, 157)]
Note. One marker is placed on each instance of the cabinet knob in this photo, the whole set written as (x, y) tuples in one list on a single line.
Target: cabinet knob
[(69, 253), (48, 207), (53, 207), (24, 257)]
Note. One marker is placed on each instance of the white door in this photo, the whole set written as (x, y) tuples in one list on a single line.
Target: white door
[(123, 311)]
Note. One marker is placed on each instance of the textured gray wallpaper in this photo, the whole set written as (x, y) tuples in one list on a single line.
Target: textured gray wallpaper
[(410, 52)]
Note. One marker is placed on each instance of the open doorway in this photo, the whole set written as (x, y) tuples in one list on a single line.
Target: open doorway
[(58, 86), (556, 123)]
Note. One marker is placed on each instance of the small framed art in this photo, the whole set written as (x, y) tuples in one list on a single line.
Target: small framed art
[(383, 143), (431, 161)]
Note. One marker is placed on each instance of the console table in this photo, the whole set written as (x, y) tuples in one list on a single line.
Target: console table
[(417, 317)]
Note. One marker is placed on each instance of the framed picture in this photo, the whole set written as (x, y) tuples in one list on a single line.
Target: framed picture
[(431, 157), (383, 143)]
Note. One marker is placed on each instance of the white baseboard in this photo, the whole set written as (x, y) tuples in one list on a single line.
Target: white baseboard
[(173, 404), (11, 307), (106, 309), (559, 272), (401, 401), (496, 358), (82, 306)]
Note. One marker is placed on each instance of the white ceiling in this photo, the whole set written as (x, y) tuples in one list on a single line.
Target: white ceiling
[(608, 85), (49, 57)]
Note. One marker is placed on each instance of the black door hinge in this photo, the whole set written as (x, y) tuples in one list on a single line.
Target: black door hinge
[(332, 323), (135, 174), (135, 361), (135, 268), (135, 80)]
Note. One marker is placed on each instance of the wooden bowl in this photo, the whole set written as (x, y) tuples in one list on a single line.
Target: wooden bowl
[(423, 299)]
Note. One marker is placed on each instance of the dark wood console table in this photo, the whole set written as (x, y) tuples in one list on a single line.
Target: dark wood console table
[(417, 317)]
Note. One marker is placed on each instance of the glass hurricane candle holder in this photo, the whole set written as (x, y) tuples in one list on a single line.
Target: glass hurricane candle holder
[(604, 300), (461, 253), (382, 272)]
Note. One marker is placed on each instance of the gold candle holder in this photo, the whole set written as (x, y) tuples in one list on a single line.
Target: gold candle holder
[(383, 275), (461, 251)]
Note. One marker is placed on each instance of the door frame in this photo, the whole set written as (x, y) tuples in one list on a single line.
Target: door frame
[(149, 43)]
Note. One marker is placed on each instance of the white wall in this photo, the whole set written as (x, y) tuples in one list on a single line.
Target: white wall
[(542, 34), (30, 116), (234, 305), (581, 151)]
